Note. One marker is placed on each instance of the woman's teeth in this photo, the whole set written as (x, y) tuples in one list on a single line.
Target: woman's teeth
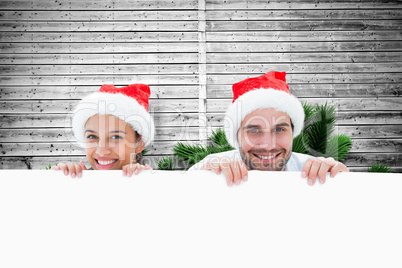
[(104, 163)]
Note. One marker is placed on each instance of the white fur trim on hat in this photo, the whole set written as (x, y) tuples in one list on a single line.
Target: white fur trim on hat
[(260, 99), (119, 105)]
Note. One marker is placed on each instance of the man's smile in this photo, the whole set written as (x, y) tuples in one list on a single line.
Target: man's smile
[(267, 157)]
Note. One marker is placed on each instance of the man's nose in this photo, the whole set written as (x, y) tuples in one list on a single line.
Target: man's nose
[(267, 141)]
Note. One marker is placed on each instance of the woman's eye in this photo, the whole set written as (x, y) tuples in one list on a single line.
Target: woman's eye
[(91, 137), (116, 137)]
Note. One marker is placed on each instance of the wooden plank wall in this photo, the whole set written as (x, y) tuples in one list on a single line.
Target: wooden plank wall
[(348, 53)]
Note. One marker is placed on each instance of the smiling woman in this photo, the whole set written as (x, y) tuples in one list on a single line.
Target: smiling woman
[(113, 125), (111, 142)]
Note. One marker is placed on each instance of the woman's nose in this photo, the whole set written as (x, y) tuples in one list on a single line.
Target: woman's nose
[(103, 148)]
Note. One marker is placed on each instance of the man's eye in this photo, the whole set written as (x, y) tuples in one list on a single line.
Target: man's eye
[(91, 137), (254, 131), (279, 129)]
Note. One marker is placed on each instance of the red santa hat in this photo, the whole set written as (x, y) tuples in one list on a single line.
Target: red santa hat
[(266, 91), (129, 103)]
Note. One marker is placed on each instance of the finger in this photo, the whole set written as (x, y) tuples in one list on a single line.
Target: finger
[(83, 166), (338, 167), (124, 168), (55, 168), (330, 161), (213, 167), (131, 169), (236, 172), (139, 169), (322, 172), (307, 167), (71, 168), (227, 171), (244, 171), (313, 172), (147, 167), (63, 167), (78, 170)]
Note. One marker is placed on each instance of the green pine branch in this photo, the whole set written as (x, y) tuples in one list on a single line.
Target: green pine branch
[(166, 163), (338, 147), (219, 138), (321, 128), (379, 168)]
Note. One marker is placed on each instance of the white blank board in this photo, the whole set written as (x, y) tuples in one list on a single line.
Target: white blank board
[(193, 219)]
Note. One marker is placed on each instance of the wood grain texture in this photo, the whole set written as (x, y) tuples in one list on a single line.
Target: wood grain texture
[(303, 14), (192, 47), (305, 25), (367, 159), (111, 58), (304, 46), (305, 68), (328, 78), (98, 80), (302, 4), (78, 92), (23, 26), (212, 15), (304, 57), (300, 36), (98, 48), (90, 37), (241, 57), (97, 5), (100, 69), (62, 106), (103, 69), (106, 15)]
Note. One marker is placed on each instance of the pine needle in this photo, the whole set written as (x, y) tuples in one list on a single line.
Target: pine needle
[(320, 130), (338, 147), (166, 163), (219, 138), (379, 168)]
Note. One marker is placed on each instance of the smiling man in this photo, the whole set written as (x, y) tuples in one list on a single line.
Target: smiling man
[(260, 124)]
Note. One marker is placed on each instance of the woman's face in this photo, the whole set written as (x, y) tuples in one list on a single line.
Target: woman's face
[(110, 142)]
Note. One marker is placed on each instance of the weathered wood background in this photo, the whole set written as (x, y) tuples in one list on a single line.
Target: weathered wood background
[(190, 52)]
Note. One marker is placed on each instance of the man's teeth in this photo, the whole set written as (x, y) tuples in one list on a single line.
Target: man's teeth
[(265, 157), (104, 163)]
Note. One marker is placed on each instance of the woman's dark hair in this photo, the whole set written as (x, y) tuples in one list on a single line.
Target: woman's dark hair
[(138, 157)]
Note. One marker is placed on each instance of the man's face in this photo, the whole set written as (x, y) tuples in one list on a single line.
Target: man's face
[(265, 138)]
